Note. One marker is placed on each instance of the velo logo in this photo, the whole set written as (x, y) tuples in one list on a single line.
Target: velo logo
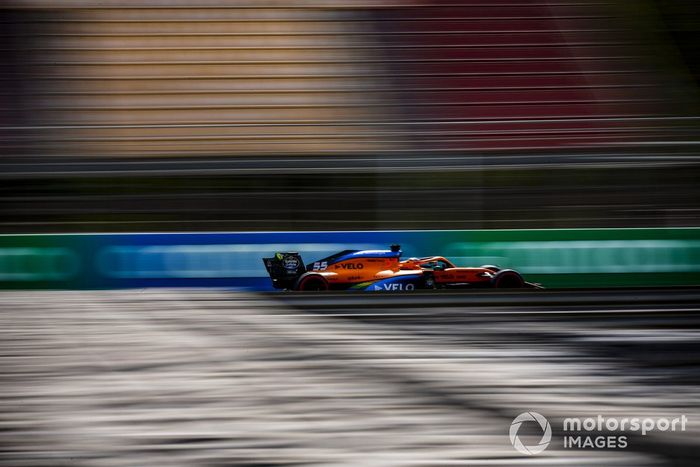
[(546, 433)]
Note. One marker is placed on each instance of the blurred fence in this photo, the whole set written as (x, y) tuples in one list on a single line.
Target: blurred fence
[(557, 258), (326, 114), (151, 78)]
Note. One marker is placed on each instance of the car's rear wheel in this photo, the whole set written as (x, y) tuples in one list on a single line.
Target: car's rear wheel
[(507, 279), (312, 283)]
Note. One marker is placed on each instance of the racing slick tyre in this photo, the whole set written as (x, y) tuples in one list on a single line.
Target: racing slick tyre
[(311, 283), (491, 267), (507, 279)]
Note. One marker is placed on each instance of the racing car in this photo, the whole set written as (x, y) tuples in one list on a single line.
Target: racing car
[(383, 270)]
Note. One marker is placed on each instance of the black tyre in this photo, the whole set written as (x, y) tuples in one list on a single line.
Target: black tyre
[(312, 283), (507, 279)]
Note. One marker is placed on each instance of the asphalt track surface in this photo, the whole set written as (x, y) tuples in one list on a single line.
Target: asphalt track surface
[(214, 377)]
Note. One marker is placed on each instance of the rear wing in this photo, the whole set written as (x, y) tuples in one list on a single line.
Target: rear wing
[(284, 269)]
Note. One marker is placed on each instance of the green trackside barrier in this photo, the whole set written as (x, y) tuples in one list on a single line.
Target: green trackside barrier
[(556, 258), (590, 257)]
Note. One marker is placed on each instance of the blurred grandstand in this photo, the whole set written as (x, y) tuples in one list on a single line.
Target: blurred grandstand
[(328, 114)]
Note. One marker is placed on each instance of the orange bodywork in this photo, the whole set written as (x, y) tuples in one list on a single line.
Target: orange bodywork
[(359, 270), (445, 272)]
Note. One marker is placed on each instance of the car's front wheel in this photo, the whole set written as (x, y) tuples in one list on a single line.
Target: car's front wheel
[(507, 279)]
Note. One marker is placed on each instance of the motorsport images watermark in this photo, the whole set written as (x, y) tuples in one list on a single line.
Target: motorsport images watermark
[(546, 433), (597, 432)]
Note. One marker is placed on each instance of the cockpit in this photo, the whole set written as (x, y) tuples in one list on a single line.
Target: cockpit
[(431, 263)]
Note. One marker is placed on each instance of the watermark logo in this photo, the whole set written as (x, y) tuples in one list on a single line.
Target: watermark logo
[(594, 432), (546, 433)]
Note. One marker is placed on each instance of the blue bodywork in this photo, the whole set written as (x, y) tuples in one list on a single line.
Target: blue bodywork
[(355, 254), (368, 254), (402, 283)]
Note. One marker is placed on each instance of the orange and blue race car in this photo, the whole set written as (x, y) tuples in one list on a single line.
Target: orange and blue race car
[(383, 270)]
